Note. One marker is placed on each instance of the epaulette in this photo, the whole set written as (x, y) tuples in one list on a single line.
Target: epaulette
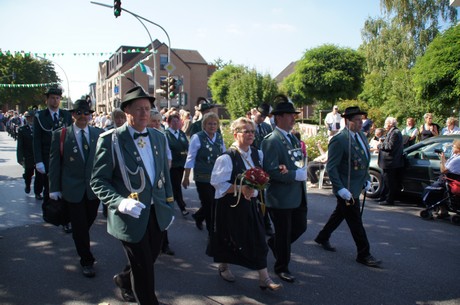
[(110, 131), (268, 136)]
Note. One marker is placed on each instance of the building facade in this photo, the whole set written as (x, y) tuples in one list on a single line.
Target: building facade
[(131, 65)]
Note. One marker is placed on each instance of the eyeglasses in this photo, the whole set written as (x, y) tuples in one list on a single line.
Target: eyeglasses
[(79, 112), (245, 131)]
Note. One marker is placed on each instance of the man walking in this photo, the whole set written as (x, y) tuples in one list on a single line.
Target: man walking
[(286, 196), (348, 170), (131, 176), (71, 163), (25, 156)]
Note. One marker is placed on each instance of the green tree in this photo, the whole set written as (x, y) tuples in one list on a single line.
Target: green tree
[(240, 89), (326, 73), (437, 74), (27, 70)]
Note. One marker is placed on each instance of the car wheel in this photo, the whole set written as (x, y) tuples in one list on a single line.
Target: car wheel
[(376, 184)]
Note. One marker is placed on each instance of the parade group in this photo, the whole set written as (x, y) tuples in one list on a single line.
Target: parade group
[(253, 194)]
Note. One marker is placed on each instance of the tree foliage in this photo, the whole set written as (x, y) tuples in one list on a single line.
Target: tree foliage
[(27, 70), (326, 73), (241, 89), (437, 74)]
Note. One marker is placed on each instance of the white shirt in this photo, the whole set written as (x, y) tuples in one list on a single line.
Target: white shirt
[(333, 119), (77, 132), (145, 152), (222, 172)]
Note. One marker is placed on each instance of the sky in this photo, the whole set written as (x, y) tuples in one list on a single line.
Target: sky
[(266, 35)]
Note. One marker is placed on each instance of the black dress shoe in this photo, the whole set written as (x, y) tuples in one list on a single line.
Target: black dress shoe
[(286, 276), (369, 261), (166, 250), (325, 244), (126, 294), (67, 228), (27, 190), (88, 271), (38, 197), (198, 223)]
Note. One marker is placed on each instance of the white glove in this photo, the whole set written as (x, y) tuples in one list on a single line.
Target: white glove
[(40, 167), (344, 194), (131, 207), (301, 174), (367, 186), (55, 195)]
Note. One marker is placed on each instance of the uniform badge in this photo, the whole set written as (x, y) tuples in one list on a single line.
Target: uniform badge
[(160, 184)]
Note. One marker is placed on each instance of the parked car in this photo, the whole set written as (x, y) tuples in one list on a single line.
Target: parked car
[(422, 166)]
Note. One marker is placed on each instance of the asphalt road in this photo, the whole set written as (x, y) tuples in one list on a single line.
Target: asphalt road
[(39, 265)]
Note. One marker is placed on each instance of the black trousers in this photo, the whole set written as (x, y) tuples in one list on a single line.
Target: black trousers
[(141, 257), (46, 187), (313, 167), (82, 216), (391, 183), (352, 216), (289, 225), (38, 181), (206, 194), (176, 174)]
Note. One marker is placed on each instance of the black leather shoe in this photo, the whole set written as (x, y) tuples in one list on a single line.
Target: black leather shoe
[(27, 190), (286, 276), (198, 223), (166, 250), (369, 261), (325, 244), (38, 197), (126, 294), (88, 271), (67, 228)]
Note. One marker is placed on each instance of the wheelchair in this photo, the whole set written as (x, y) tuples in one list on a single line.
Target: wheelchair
[(445, 193)]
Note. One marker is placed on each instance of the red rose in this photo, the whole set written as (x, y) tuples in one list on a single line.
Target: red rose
[(256, 177)]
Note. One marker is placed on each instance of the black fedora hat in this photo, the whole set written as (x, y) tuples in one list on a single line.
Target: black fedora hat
[(53, 90), (264, 109), (135, 94), (81, 105), (204, 105), (352, 111), (283, 105)]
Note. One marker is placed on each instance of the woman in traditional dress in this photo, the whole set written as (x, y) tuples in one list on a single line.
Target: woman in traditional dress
[(238, 235)]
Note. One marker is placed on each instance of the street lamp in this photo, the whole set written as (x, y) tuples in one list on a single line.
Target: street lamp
[(153, 51), (66, 79)]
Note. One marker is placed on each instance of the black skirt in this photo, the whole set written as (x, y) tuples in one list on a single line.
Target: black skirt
[(238, 233)]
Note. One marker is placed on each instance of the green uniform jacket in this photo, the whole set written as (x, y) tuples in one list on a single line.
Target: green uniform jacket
[(43, 127), (69, 174), (283, 192), (107, 183), (341, 150)]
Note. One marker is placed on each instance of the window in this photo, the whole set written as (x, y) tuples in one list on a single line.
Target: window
[(163, 61)]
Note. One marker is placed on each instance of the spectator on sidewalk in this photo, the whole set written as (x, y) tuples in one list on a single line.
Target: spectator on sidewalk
[(316, 165)]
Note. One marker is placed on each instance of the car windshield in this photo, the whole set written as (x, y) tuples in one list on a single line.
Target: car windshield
[(430, 150)]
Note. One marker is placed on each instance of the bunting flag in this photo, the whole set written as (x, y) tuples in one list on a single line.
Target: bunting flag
[(58, 54), (27, 85), (146, 69)]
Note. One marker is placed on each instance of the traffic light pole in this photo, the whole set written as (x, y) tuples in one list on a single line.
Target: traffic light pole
[(153, 51)]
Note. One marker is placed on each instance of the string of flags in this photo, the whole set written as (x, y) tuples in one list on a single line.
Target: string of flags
[(28, 85), (58, 54)]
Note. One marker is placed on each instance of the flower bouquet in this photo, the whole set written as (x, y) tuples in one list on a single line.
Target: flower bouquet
[(255, 178)]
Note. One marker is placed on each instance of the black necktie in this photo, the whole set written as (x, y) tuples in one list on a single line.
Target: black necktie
[(293, 141), (359, 144), (138, 134), (259, 129), (85, 145), (55, 119)]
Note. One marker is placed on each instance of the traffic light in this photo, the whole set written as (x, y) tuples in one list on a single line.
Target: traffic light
[(117, 8), (164, 87), (172, 87)]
